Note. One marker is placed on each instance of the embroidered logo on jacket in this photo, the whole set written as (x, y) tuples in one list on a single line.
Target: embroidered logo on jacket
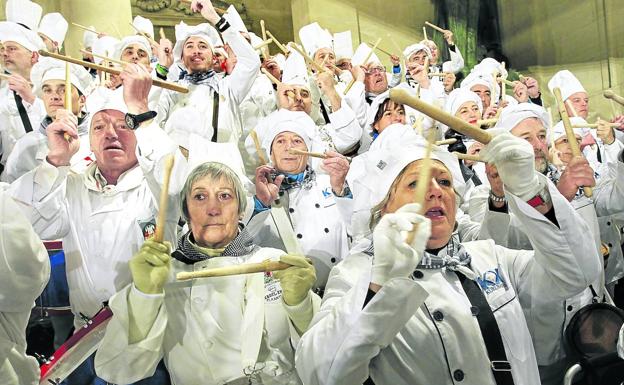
[(491, 280)]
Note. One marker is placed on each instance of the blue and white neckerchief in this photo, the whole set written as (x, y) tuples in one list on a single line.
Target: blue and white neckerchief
[(303, 179), (197, 77), (453, 257)]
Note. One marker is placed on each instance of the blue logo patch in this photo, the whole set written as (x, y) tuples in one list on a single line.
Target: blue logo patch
[(490, 281), (327, 192)]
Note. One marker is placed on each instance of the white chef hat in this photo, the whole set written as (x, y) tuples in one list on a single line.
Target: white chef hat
[(481, 78), (202, 150), (511, 116), (235, 20), (129, 40), (144, 25), (204, 30), (384, 165), (459, 96), (360, 55), (280, 59), (104, 99), (295, 72), (54, 26), (567, 82), (313, 38), (51, 69), (10, 31), (104, 46), (255, 41), (294, 121), (343, 45), (24, 12), (89, 38), (489, 65), (414, 48)]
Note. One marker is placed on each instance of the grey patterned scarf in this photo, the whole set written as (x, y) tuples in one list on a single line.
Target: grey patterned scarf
[(189, 254)]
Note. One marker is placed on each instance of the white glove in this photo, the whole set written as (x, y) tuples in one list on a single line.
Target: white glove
[(515, 160), (394, 258)]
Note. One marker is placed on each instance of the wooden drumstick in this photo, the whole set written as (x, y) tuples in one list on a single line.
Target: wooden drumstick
[(247, 268), (164, 200), (426, 65), (424, 179), (403, 97), (435, 27), (68, 97), (114, 71), (474, 158), (425, 33), (320, 155), (145, 35), (381, 50), (262, 45), (270, 76), (505, 81), (277, 43), (104, 58), (7, 76), (445, 141), (595, 125), (162, 33), (571, 107), (86, 28), (574, 146), (254, 137), (265, 51), (366, 59), (307, 58), (486, 122), (609, 94)]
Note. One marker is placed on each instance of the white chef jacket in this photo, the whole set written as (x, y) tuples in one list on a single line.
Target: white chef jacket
[(101, 226), (421, 330), (24, 272), (208, 330)]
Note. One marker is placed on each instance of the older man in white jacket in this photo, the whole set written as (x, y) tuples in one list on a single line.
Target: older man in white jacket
[(24, 272), (401, 315)]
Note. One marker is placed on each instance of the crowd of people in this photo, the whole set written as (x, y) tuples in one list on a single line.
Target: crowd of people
[(405, 250)]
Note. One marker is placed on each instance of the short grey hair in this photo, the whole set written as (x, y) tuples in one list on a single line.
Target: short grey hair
[(214, 171)]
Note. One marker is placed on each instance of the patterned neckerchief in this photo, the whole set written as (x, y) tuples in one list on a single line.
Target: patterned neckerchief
[(197, 77), (304, 180), (189, 254)]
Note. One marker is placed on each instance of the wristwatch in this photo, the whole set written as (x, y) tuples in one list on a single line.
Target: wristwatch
[(134, 121)]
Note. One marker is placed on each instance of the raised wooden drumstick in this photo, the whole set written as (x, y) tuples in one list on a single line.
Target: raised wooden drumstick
[(108, 59), (609, 94), (474, 158), (270, 76), (474, 132), (162, 33), (247, 268), (7, 76), (595, 125), (164, 200), (424, 179), (381, 50), (277, 43), (435, 27), (366, 59), (486, 122), (320, 155), (68, 97), (571, 107), (574, 146), (445, 141), (145, 35), (263, 44), (307, 58), (86, 28), (265, 51), (505, 81), (254, 137), (114, 71), (425, 33)]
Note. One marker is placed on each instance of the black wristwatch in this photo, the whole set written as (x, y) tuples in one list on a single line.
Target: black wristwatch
[(134, 121)]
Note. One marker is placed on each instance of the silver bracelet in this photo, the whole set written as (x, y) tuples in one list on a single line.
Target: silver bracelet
[(496, 198)]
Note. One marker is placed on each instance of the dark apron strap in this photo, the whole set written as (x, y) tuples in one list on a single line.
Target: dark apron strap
[(324, 112), (22, 112), (215, 116), (501, 368)]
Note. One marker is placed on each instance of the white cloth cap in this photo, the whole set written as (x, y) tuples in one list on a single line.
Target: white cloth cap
[(459, 96), (24, 12), (235, 20), (360, 55), (104, 46), (280, 59), (343, 45), (395, 136), (295, 72), (294, 121), (384, 165), (567, 82), (412, 49), (51, 69), (255, 40), (481, 78), (489, 65), (9, 31), (203, 30), (143, 25), (104, 99), (129, 40), (313, 38), (512, 115), (89, 38), (202, 150), (559, 130), (54, 26)]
